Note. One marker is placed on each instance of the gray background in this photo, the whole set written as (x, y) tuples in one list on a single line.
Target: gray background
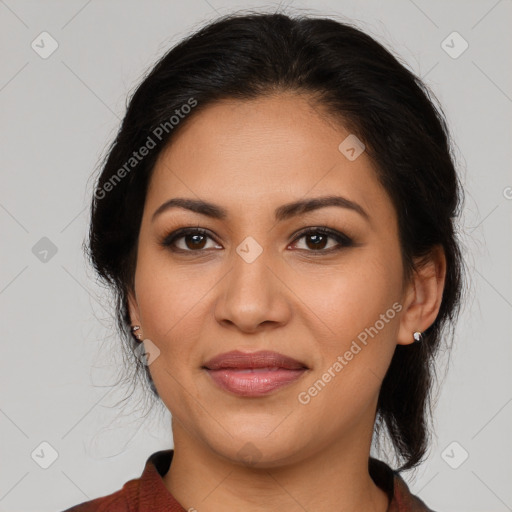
[(59, 350)]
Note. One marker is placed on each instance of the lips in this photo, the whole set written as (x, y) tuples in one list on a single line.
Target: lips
[(253, 374), (247, 360)]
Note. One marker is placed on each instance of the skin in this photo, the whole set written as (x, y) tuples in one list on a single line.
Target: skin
[(251, 157)]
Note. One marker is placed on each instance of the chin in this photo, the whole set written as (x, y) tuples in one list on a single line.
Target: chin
[(258, 450)]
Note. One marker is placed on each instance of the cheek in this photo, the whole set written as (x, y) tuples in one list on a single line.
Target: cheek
[(362, 313), (173, 303), (352, 297), (172, 315)]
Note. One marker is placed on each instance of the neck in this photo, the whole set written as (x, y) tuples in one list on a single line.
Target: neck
[(333, 478)]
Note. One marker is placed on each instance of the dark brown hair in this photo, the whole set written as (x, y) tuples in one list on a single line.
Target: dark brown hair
[(358, 82)]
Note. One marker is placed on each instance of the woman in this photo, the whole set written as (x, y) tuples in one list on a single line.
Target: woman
[(276, 218)]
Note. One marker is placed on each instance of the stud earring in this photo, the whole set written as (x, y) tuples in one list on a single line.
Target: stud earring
[(137, 335), (418, 337)]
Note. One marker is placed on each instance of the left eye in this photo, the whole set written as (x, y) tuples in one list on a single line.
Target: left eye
[(319, 236), (195, 240)]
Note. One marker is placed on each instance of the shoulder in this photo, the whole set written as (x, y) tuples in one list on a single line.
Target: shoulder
[(400, 497), (113, 503), (119, 501), (130, 496), (405, 500), (143, 494)]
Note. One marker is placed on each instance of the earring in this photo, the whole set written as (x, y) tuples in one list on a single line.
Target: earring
[(135, 328), (418, 337)]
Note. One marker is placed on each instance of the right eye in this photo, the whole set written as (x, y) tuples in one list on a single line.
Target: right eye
[(194, 240)]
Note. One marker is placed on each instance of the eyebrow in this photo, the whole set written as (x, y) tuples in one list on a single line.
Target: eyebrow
[(281, 213)]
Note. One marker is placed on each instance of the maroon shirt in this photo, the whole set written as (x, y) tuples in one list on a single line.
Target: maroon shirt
[(149, 494)]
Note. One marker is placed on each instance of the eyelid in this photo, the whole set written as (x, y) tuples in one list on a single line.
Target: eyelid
[(343, 240), (324, 230), (170, 238)]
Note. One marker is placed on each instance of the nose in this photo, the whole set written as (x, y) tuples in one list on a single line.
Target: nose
[(253, 295)]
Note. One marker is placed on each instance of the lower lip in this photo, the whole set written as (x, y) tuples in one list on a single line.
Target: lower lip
[(254, 383)]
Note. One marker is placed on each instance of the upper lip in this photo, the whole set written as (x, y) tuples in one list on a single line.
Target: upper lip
[(262, 359)]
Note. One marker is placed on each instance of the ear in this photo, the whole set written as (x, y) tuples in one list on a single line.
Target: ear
[(423, 296), (133, 308)]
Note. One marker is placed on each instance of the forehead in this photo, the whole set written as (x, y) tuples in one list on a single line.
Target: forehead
[(273, 149)]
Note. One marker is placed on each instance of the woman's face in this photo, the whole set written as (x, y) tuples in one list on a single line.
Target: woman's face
[(254, 282)]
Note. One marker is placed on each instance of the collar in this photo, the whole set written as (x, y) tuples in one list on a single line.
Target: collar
[(153, 495)]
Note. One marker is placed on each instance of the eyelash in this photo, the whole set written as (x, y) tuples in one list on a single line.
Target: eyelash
[(343, 240)]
